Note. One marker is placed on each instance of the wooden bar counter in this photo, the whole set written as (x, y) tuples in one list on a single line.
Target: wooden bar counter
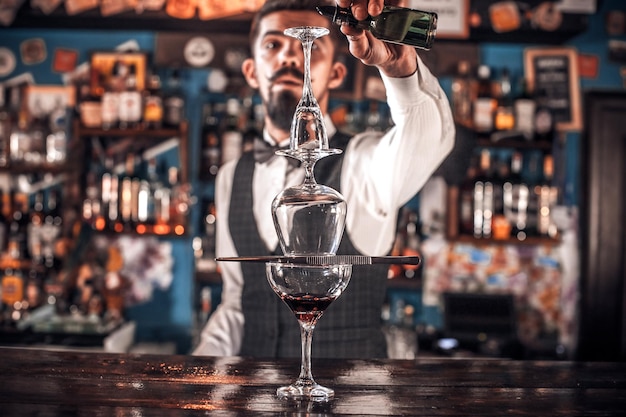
[(61, 383)]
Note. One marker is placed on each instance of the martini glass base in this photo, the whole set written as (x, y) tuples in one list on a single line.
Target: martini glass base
[(309, 390)]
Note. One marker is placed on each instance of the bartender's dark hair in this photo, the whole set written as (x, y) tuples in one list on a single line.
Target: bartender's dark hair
[(271, 6)]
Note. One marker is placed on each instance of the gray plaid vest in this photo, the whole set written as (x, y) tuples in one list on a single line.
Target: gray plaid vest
[(350, 328)]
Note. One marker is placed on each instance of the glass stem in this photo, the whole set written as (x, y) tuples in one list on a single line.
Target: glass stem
[(306, 333), (307, 93), (309, 178)]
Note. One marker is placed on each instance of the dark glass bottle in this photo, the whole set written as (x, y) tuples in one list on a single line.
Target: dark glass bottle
[(516, 198), (484, 103), (544, 118), (174, 101), (466, 199), (395, 24), (483, 197), (18, 227), (3, 224), (211, 146)]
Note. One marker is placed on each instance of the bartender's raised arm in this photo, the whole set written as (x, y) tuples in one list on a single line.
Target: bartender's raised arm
[(424, 129), (382, 174), (391, 59)]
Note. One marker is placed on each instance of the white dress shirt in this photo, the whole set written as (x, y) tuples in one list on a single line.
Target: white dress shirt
[(381, 173)]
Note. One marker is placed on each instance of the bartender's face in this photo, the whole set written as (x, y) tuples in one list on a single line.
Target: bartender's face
[(277, 67)]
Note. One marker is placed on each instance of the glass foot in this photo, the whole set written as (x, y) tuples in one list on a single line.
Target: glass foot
[(299, 390)]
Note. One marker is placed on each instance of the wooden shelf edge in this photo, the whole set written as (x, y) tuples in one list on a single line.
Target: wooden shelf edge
[(529, 241)]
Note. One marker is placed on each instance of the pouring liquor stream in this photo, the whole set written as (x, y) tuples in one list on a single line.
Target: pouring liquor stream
[(328, 259)]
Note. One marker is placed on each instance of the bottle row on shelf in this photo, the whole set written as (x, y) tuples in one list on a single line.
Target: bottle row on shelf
[(124, 97), (32, 248), (30, 226), (35, 135), (498, 107), (148, 200), (507, 199)]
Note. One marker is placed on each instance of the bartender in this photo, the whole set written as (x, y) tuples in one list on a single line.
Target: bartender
[(377, 174)]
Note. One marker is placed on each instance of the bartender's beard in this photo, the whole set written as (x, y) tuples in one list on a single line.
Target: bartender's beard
[(281, 107)]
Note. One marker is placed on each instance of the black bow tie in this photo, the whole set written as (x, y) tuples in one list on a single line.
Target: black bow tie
[(264, 151)]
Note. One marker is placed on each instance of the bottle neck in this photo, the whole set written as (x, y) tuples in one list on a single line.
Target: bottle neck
[(341, 15)]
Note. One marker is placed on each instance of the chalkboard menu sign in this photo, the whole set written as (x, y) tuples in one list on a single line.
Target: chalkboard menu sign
[(553, 73)]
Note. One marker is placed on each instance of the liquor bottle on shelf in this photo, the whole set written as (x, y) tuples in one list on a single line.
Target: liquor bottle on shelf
[(33, 291), (252, 126), (102, 220), (126, 193), (395, 24), (174, 101), (153, 103), (462, 94), (179, 202), (52, 229), (211, 147), (114, 209), (485, 104), (56, 140), (5, 127), (547, 195), (524, 108), (19, 139), (466, 199), (91, 203), (12, 290), (150, 192), (35, 225), (231, 133), (501, 227), (17, 243), (110, 97), (532, 178), (162, 198), (145, 203), (39, 132), (130, 101), (3, 224), (483, 197), (544, 118), (504, 117), (516, 198), (411, 244)]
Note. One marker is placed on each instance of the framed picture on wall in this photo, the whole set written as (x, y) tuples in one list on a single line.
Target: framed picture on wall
[(552, 73), (112, 71), (452, 16)]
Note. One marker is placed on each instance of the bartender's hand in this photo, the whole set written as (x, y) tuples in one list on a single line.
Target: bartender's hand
[(392, 59)]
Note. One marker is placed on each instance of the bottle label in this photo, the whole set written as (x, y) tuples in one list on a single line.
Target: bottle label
[(483, 114), (153, 110), (110, 107), (524, 113), (130, 106), (12, 289)]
